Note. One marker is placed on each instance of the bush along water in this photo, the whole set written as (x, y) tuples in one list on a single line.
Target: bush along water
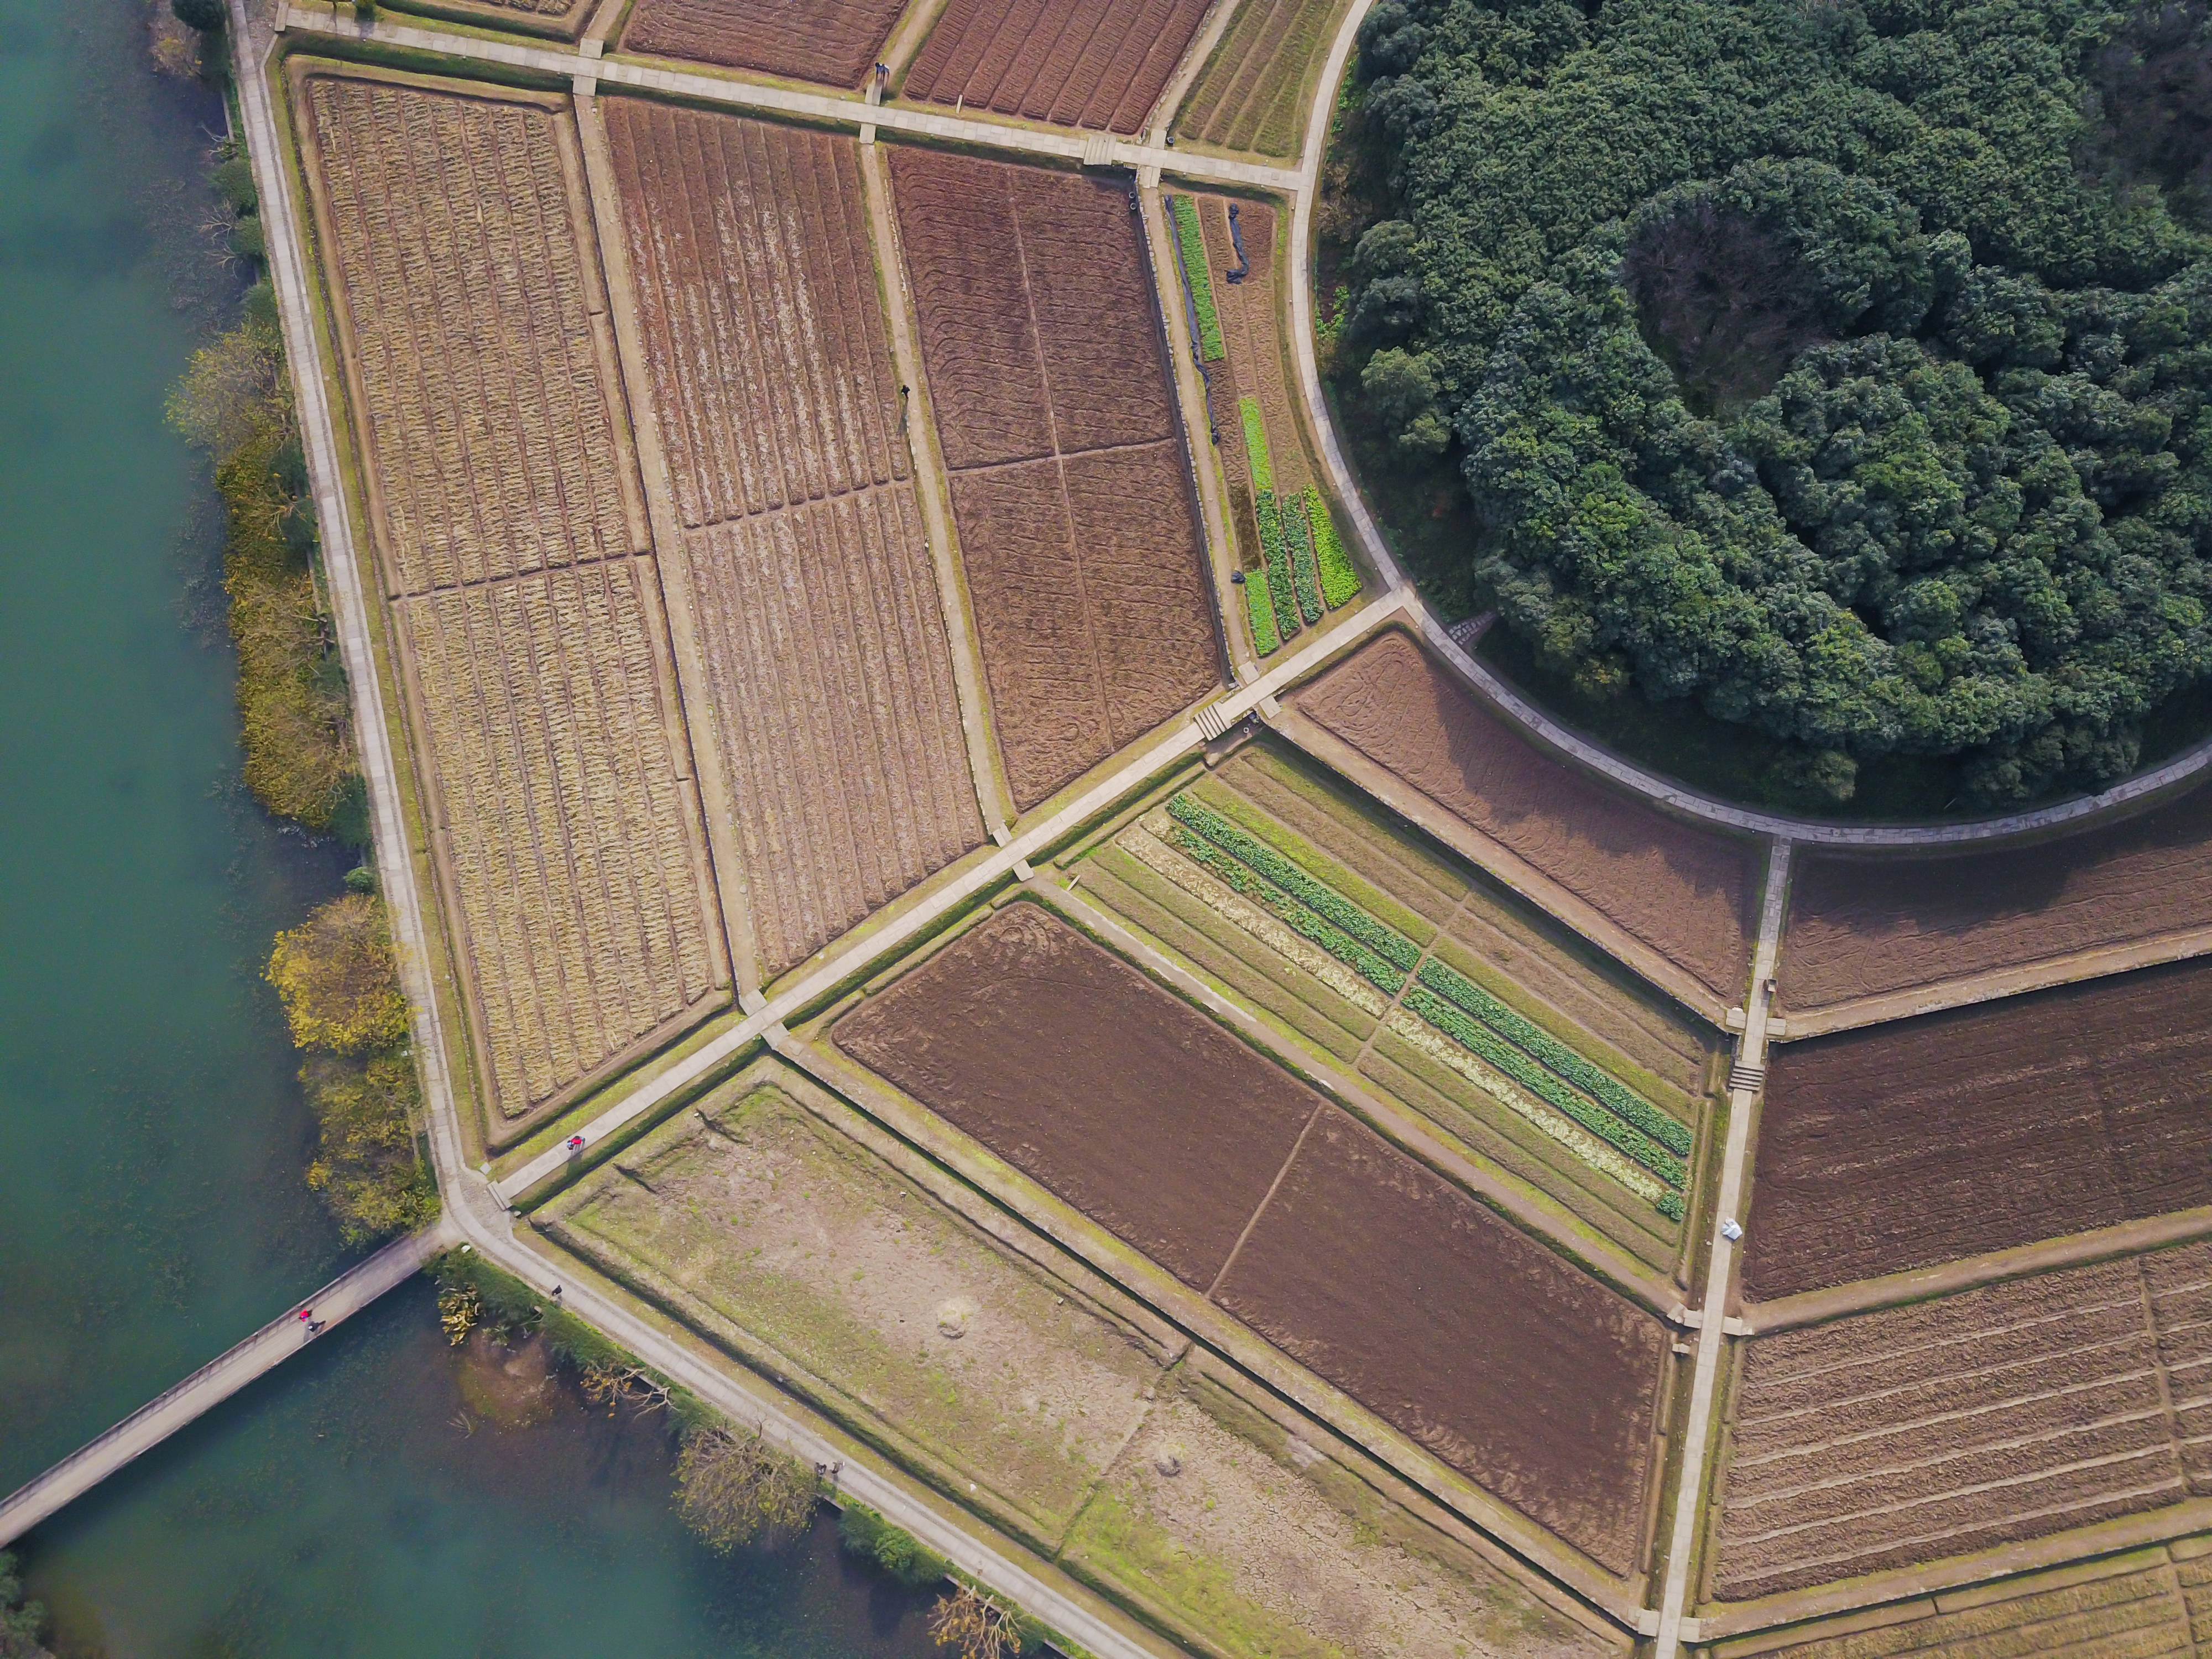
[(1841, 368)]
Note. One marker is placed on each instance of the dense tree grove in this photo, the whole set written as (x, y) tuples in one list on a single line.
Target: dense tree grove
[(1841, 364)]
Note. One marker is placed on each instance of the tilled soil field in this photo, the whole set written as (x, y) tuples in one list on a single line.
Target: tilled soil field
[(1859, 927), (1069, 486), (563, 817), (1255, 91), (830, 695), (2002, 1413), (1098, 63), (1476, 1342), (2138, 1607), (505, 509), (831, 41), (1688, 894), (1906, 1145), (758, 1224)]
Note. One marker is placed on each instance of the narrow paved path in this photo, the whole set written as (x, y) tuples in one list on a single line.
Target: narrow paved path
[(216, 1380)]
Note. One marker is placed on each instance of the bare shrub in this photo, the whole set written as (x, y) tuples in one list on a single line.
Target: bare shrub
[(976, 1624), (732, 1487)]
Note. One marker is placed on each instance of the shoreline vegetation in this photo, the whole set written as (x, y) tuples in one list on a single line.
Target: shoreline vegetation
[(335, 972), (734, 1488)]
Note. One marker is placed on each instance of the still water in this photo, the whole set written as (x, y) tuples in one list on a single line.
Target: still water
[(152, 1138)]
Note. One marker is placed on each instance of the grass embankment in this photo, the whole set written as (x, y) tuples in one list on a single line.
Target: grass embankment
[(334, 971)]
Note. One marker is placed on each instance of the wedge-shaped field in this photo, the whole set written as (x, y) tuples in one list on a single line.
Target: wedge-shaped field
[(1296, 566), (1869, 927), (767, 1226), (829, 693), (831, 41), (1942, 1428), (505, 511), (1906, 1145), (1474, 1342), (1686, 894), (562, 18), (1070, 489), (2144, 1605), (1443, 991), (1218, 1519), (1097, 64), (1255, 90)]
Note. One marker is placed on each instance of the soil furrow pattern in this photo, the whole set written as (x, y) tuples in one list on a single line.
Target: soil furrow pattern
[(1040, 337), (829, 688), (834, 41), (1095, 64), (1475, 1341)]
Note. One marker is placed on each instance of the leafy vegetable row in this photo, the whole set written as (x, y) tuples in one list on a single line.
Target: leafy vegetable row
[(1190, 249)]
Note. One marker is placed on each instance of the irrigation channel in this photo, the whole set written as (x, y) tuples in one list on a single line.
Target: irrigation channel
[(360, 1499)]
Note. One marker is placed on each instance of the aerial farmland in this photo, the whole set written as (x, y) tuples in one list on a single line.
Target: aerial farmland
[(978, 908)]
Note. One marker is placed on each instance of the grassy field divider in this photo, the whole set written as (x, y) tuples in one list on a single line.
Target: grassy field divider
[(1457, 988), (1190, 254), (1340, 578)]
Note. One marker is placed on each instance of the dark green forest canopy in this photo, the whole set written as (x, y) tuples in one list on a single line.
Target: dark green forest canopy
[(1840, 364)]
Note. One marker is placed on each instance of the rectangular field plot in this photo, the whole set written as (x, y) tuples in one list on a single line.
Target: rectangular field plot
[(770, 1231), (830, 694), (564, 19), (1906, 1145), (1863, 928), (1255, 90), (1040, 335), (1940, 1428), (1296, 568), (831, 41), (1474, 1340), (1686, 894), (505, 511), (1097, 64), (1440, 991), (2140, 1605)]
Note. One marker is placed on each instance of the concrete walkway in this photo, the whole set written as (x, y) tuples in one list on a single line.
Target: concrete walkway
[(216, 1380)]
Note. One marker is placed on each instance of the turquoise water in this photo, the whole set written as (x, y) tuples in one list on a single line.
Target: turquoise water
[(152, 1138)]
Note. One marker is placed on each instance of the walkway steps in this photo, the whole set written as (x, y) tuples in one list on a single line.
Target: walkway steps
[(216, 1380)]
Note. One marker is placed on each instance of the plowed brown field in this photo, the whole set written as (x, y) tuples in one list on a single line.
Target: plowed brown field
[(2002, 1413), (1686, 893), (504, 511), (1906, 1145), (831, 41), (1078, 63), (830, 694), (1859, 927), (1039, 332), (1502, 1360)]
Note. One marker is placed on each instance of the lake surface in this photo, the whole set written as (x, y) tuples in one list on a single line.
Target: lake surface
[(152, 1136)]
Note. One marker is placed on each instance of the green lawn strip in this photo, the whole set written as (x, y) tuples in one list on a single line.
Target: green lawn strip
[(1340, 577), (1297, 542), (1212, 790), (1394, 947), (1190, 247), (1481, 1040), (1287, 910), (1260, 611), (1543, 1046)]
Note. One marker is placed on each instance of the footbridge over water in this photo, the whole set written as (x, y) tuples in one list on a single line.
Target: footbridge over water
[(220, 1378)]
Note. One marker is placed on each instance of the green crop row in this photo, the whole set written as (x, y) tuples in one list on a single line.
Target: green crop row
[(1190, 247), (1275, 564), (1321, 899), (1340, 580), (1297, 536), (1261, 611), (1480, 1040), (1285, 908), (1542, 1045), (1256, 445)]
